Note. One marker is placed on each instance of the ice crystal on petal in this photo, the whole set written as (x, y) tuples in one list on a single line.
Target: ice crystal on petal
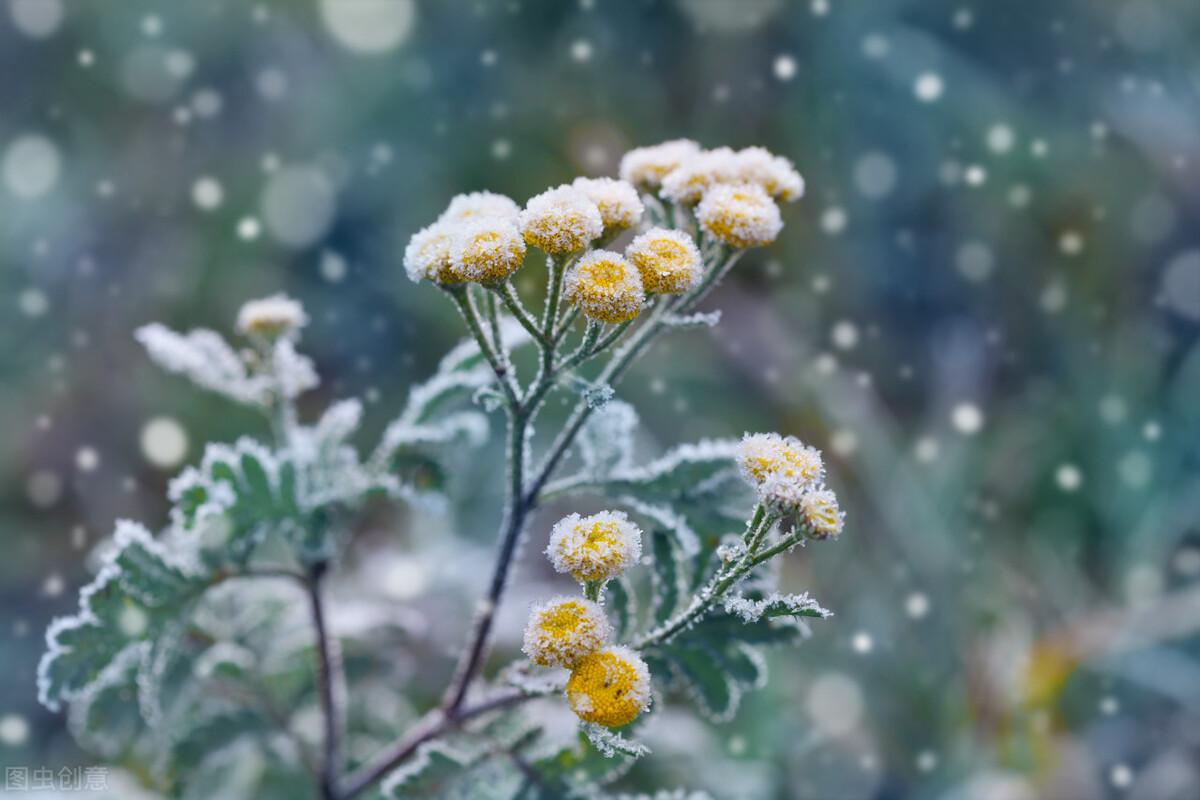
[(646, 167), (741, 215), (561, 220), (594, 548), (606, 287), (618, 201)]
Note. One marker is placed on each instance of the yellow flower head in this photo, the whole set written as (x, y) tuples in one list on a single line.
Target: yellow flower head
[(821, 514), (564, 630), (277, 315), (427, 256), (606, 287), (594, 548), (561, 220), (775, 174), (698, 173), (741, 215), (761, 455), (646, 167), (619, 204), (487, 249), (610, 687), (477, 205), (667, 260)]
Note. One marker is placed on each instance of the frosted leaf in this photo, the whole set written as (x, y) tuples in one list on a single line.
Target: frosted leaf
[(775, 605), (666, 794), (698, 320), (610, 743), (206, 359), (466, 354), (294, 373), (597, 395), (606, 441), (466, 426)]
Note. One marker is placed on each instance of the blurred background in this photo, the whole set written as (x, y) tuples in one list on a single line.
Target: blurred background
[(985, 311)]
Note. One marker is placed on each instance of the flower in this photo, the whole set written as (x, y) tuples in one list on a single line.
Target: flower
[(464, 207), (619, 204), (606, 287), (645, 167), (667, 260), (740, 216), (277, 315), (561, 220), (610, 687), (819, 510), (775, 174), (487, 249), (427, 256), (761, 455), (688, 183), (594, 548), (564, 630)]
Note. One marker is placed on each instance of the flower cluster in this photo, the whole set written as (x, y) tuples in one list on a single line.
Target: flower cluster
[(609, 685), (270, 317), (789, 477), (475, 239)]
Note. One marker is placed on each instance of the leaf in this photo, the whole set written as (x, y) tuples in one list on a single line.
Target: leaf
[(577, 771), (606, 441), (213, 731), (775, 605), (697, 320), (441, 772), (666, 577), (137, 591), (621, 603), (716, 694), (206, 359)]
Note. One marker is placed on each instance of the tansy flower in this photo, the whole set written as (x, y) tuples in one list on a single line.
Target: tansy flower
[(594, 548), (740, 216), (564, 630), (561, 220), (610, 687), (763, 454), (697, 174), (667, 260), (775, 174), (646, 167), (819, 510), (476, 205), (619, 204), (277, 315), (427, 256), (606, 287), (487, 249)]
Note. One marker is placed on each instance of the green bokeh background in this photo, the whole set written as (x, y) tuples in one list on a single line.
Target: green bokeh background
[(1010, 242)]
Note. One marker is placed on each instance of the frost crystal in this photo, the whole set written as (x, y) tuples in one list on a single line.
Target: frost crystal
[(667, 260), (561, 220), (618, 201), (606, 287), (277, 315), (741, 216), (775, 605), (647, 166), (594, 548)]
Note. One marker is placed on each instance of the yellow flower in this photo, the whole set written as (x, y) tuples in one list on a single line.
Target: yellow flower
[(594, 548), (821, 514), (427, 256), (564, 630), (740, 216), (606, 287), (277, 315), (619, 204), (561, 220), (698, 173), (763, 454), (487, 249), (775, 174), (609, 688), (477, 205), (647, 166), (667, 260)]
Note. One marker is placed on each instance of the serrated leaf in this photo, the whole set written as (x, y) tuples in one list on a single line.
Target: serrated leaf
[(717, 697), (621, 603), (775, 605), (439, 772), (214, 731), (605, 443)]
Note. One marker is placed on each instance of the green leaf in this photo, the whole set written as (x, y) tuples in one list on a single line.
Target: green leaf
[(622, 606), (716, 695), (214, 731), (440, 772), (667, 576)]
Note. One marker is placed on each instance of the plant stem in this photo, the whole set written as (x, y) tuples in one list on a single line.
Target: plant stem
[(328, 668), (512, 302), (463, 301), (431, 727)]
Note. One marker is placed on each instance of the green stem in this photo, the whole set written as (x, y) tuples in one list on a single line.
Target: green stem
[(463, 301), (512, 301)]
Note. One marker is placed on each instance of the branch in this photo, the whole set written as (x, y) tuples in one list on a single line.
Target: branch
[(328, 667)]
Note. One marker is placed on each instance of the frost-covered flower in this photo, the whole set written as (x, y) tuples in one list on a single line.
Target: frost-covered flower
[(606, 287), (667, 260), (610, 687), (562, 631), (761, 455), (742, 215), (647, 166), (561, 220), (476, 205), (277, 315), (595, 548), (775, 174), (822, 515), (697, 174), (487, 249), (427, 256), (618, 201)]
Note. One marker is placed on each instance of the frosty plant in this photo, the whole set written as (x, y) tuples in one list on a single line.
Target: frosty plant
[(190, 652)]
